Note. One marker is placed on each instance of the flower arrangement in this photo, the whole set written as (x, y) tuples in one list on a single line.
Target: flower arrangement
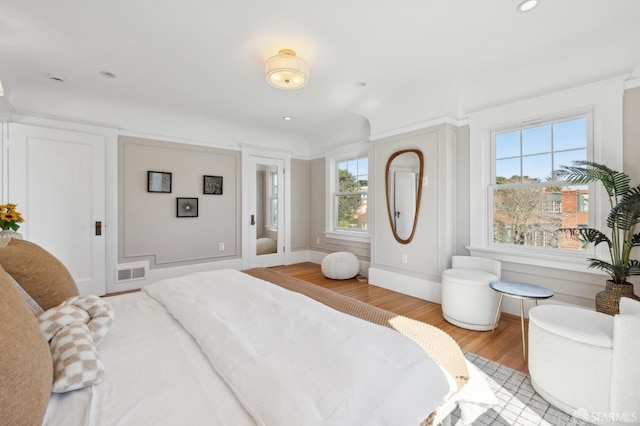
[(10, 217)]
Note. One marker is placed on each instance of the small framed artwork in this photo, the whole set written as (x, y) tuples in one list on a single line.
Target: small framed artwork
[(158, 182), (187, 207), (212, 185)]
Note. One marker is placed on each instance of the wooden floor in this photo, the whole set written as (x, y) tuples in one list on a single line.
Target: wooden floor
[(505, 346)]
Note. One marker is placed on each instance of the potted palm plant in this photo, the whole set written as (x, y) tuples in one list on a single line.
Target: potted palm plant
[(622, 220)]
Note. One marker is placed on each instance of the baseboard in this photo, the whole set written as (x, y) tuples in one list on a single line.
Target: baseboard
[(299, 256), (432, 291), (411, 286)]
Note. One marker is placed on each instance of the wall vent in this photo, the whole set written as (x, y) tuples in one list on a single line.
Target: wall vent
[(131, 274)]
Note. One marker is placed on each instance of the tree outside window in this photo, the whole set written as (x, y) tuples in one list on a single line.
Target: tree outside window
[(351, 194), (529, 205)]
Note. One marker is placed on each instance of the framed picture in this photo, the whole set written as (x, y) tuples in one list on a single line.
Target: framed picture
[(212, 185), (187, 207), (158, 182)]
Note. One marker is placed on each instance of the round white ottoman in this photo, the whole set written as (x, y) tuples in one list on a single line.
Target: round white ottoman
[(340, 265), (467, 299)]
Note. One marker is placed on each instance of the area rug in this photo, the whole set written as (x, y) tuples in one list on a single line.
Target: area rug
[(518, 404)]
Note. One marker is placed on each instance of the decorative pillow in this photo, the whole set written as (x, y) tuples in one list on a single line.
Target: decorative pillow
[(38, 272), (93, 311), (33, 305), (75, 360), (26, 370), (100, 314), (74, 329), (55, 319)]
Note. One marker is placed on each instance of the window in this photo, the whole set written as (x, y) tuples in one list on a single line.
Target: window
[(350, 202), (529, 205)]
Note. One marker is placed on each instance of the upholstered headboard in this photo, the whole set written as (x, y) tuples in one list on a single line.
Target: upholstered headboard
[(26, 366), (37, 271)]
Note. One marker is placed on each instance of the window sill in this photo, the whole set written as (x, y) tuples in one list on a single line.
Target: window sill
[(564, 261), (360, 237)]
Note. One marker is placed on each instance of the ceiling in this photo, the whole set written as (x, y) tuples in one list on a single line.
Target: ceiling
[(195, 69)]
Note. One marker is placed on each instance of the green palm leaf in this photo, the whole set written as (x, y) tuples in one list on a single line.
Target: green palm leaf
[(618, 273), (634, 267), (583, 172), (588, 235)]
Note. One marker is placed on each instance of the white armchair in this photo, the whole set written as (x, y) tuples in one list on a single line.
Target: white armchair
[(467, 299), (587, 363)]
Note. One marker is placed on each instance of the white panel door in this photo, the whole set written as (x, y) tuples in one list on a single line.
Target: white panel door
[(57, 178)]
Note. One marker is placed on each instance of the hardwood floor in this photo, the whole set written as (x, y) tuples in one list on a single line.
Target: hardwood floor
[(505, 346)]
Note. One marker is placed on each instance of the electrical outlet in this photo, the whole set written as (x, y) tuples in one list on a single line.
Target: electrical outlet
[(221, 247), (425, 180), (405, 259)]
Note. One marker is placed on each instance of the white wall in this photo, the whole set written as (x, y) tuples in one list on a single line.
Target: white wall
[(433, 243)]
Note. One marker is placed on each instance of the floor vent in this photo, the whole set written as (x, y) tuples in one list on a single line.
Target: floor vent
[(130, 274)]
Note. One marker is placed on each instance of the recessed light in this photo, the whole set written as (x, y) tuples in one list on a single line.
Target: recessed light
[(56, 78), (107, 74), (286, 118), (528, 5)]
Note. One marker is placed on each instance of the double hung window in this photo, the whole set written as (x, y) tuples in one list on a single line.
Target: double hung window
[(350, 196), (528, 205)]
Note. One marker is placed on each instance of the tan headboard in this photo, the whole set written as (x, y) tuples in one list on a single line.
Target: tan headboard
[(38, 272), (26, 368)]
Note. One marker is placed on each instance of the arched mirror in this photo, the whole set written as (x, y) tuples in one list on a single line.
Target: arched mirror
[(403, 181)]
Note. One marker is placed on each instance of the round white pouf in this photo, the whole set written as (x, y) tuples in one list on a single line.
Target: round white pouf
[(341, 265)]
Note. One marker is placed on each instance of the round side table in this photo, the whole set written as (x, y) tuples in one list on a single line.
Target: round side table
[(520, 291)]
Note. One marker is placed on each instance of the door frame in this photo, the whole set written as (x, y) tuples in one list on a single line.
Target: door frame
[(251, 157), (16, 184)]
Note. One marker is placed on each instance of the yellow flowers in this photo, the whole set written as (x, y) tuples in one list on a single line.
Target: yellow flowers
[(10, 217)]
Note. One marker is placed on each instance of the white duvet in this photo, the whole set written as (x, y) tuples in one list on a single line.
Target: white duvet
[(292, 361)]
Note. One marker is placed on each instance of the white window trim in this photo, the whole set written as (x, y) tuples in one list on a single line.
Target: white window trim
[(605, 100), (330, 226), (529, 250)]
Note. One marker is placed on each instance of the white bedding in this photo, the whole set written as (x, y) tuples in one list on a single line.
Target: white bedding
[(157, 374), (293, 361)]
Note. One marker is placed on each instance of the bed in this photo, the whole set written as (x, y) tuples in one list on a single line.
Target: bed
[(224, 347)]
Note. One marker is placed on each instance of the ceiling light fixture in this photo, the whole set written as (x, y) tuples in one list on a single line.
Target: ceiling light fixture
[(286, 118), (528, 5), (286, 70)]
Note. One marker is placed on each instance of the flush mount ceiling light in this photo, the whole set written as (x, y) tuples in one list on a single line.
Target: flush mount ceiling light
[(286, 70), (528, 5)]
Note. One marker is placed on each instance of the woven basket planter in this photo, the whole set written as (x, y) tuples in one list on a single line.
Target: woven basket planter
[(608, 300)]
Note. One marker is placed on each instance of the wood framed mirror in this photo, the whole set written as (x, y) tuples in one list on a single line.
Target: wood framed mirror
[(403, 184)]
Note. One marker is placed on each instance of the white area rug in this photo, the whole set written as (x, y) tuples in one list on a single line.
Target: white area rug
[(518, 404)]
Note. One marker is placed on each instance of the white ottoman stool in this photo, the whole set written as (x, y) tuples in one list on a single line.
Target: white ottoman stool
[(340, 265), (467, 299)]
